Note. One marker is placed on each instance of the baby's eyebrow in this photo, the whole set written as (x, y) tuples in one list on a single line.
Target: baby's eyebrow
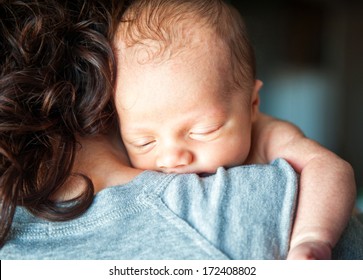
[(135, 131), (132, 132)]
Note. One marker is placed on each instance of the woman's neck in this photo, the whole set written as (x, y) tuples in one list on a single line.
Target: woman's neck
[(103, 159)]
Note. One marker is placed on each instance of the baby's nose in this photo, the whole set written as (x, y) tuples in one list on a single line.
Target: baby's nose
[(174, 158)]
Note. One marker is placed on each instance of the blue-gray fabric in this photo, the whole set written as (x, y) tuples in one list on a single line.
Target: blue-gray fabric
[(240, 213)]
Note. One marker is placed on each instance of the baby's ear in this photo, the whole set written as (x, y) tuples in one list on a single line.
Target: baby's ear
[(255, 100)]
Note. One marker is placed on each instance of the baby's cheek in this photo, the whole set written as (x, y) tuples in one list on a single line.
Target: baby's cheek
[(235, 155), (140, 162), (210, 161)]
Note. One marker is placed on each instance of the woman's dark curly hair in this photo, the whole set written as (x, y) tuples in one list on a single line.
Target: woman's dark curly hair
[(57, 71)]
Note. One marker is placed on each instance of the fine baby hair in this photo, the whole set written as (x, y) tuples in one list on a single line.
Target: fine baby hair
[(162, 28)]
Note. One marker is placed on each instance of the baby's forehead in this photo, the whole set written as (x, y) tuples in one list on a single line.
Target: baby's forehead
[(195, 42)]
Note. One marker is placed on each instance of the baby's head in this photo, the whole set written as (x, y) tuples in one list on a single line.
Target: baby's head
[(186, 93)]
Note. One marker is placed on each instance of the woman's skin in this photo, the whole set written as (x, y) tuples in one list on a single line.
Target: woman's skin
[(103, 159)]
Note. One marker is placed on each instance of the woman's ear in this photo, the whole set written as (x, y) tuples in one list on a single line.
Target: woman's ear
[(255, 100)]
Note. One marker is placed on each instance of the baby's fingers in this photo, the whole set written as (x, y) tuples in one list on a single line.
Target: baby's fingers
[(310, 250)]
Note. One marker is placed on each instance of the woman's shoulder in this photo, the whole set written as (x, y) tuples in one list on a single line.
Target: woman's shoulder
[(262, 179), (239, 213), (228, 206)]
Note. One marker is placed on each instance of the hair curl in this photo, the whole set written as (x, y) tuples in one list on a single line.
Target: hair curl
[(57, 71)]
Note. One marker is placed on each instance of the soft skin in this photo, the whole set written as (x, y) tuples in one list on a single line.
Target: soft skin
[(184, 114), (327, 186), (176, 118)]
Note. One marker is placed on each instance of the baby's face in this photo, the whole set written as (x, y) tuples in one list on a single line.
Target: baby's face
[(181, 116)]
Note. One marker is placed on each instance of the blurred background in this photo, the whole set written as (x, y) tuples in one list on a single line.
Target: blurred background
[(310, 57)]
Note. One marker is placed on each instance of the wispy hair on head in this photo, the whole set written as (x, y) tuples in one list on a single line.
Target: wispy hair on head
[(169, 25)]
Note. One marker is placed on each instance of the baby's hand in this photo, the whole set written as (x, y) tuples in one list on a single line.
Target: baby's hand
[(310, 250)]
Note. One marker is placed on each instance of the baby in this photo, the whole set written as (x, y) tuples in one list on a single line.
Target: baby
[(188, 102)]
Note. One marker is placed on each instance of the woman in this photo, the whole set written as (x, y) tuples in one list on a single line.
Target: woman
[(47, 103), (67, 190)]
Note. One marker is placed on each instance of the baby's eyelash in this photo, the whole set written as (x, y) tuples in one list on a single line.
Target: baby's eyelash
[(202, 132), (206, 129), (142, 145), (205, 134)]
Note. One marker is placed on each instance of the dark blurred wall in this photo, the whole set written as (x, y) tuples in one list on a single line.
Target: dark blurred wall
[(310, 57)]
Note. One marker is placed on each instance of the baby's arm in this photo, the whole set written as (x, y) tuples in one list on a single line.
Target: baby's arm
[(327, 186)]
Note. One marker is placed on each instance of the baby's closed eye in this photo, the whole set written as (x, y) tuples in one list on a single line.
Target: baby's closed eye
[(143, 144), (205, 133)]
